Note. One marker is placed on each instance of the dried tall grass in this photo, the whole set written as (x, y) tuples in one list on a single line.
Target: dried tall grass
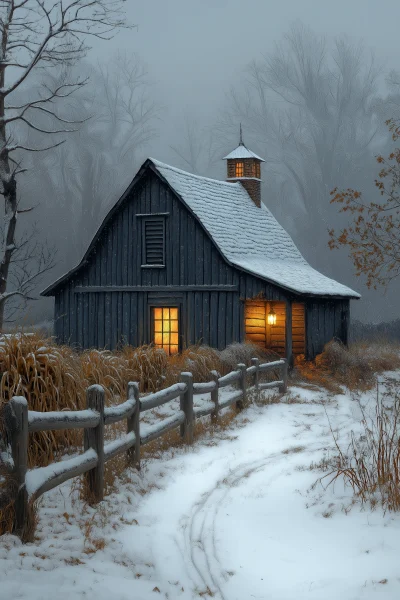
[(54, 378), (355, 366), (50, 378), (371, 464)]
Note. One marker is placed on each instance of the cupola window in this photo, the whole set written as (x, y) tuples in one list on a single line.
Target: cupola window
[(256, 171), (239, 169)]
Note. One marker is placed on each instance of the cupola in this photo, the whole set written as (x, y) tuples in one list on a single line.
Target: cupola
[(244, 166)]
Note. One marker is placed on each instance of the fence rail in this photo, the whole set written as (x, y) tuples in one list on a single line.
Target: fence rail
[(31, 484)]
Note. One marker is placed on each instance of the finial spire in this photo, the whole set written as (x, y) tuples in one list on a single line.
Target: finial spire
[(240, 136)]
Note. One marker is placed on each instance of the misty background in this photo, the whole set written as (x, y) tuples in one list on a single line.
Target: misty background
[(311, 82)]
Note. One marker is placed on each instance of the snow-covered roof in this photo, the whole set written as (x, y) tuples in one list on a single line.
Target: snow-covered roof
[(247, 236), (242, 152)]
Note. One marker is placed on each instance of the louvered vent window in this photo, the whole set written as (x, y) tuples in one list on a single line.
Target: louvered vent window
[(154, 241)]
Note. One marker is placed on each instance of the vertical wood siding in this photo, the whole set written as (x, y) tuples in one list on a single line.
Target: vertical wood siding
[(325, 320), (107, 319)]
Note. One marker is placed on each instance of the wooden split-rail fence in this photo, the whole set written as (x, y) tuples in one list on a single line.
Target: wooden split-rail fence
[(20, 422)]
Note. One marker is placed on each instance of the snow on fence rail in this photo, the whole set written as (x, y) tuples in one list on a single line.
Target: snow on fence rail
[(20, 422)]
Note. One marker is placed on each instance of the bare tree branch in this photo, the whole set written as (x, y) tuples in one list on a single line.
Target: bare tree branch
[(39, 34)]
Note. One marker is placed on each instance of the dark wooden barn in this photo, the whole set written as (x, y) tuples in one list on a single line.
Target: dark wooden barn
[(182, 259)]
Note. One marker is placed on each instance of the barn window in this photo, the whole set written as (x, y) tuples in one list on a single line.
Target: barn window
[(166, 329), (153, 241), (239, 169)]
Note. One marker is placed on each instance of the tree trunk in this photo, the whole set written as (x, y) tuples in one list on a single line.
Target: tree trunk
[(10, 201)]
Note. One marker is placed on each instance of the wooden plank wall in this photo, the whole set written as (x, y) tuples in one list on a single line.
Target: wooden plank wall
[(255, 324), (325, 320), (259, 331), (278, 332), (298, 328)]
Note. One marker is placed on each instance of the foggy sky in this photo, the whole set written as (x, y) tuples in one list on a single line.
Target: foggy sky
[(195, 51)]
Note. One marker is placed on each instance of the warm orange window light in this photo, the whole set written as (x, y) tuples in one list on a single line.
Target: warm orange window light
[(166, 329), (239, 169)]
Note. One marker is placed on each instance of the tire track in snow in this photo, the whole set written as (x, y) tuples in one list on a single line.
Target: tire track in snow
[(200, 528), (204, 567)]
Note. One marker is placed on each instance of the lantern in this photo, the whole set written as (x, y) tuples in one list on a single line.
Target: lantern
[(272, 317)]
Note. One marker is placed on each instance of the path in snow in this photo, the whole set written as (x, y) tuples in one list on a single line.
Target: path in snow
[(232, 519), (232, 516)]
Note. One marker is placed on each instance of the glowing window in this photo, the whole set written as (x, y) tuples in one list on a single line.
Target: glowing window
[(239, 169), (166, 329)]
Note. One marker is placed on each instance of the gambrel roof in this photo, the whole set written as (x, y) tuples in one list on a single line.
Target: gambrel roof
[(248, 237)]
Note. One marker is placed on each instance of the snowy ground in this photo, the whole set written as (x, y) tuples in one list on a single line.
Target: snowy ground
[(234, 517)]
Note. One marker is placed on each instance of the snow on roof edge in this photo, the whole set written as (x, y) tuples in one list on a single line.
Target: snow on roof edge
[(242, 151), (343, 291), (162, 165)]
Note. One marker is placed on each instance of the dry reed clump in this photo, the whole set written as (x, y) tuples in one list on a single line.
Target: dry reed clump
[(237, 353), (371, 464), (50, 378), (199, 360), (148, 365), (355, 366)]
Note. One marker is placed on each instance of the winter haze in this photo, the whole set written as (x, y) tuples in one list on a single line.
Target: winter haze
[(193, 70)]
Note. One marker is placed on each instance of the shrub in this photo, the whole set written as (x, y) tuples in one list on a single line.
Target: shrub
[(199, 360), (243, 353), (371, 464), (354, 366)]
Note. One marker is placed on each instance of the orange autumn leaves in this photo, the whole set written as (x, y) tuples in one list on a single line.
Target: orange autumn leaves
[(373, 237)]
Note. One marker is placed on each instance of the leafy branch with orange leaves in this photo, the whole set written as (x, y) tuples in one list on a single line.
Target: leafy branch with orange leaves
[(373, 237)]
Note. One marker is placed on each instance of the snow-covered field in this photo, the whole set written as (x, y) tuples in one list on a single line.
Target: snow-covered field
[(233, 517)]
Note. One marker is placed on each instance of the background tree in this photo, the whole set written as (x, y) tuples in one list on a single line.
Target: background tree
[(373, 238), (100, 160), (37, 35), (196, 150), (310, 110)]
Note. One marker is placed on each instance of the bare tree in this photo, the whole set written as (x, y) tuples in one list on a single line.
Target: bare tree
[(31, 260), (310, 109), (103, 155), (39, 35), (197, 149)]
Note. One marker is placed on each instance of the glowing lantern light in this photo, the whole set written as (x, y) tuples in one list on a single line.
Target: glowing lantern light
[(272, 317)]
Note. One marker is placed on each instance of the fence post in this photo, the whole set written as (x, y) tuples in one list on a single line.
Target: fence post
[(133, 424), (240, 404), (186, 401), (283, 387), (94, 438), (256, 363), (17, 432), (215, 397)]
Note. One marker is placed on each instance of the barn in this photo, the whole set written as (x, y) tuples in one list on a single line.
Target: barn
[(182, 259)]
